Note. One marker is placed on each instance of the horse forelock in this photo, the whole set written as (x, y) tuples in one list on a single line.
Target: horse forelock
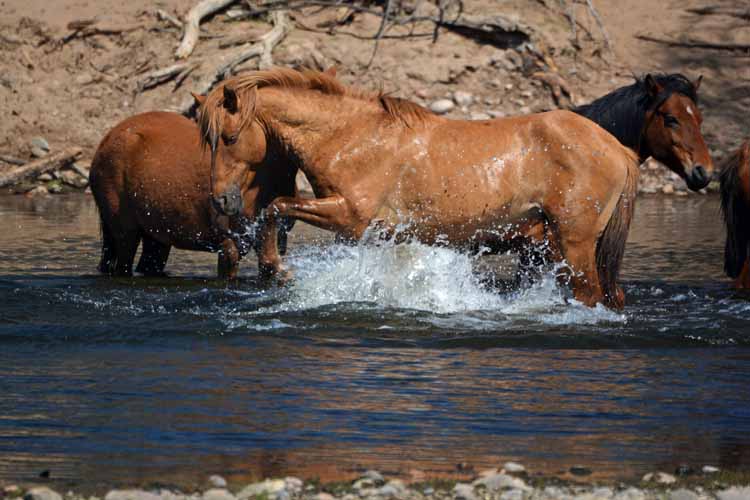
[(210, 116)]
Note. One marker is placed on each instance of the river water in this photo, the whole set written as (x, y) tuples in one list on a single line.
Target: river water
[(395, 358)]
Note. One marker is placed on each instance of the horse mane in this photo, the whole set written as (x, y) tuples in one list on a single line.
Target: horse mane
[(622, 112), (735, 211), (209, 117)]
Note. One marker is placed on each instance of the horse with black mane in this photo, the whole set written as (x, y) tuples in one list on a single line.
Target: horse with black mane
[(735, 207), (658, 116)]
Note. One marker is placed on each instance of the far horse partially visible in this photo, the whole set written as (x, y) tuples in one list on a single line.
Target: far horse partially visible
[(150, 178), (389, 167), (735, 206)]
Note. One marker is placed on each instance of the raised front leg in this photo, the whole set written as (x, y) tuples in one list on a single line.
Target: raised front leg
[(333, 213), (229, 260)]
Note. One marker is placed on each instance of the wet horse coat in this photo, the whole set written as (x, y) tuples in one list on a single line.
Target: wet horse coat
[(150, 179), (382, 164), (735, 207)]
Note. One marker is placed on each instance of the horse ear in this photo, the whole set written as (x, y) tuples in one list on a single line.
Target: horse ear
[(697, 83), (199, 99), (331, 71), (230, 99), (651, 84)]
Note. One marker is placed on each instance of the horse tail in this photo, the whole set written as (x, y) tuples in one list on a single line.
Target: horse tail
[(734, 210), (610, 248)]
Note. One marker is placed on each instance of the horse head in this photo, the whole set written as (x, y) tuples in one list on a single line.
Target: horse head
[(672, 130)]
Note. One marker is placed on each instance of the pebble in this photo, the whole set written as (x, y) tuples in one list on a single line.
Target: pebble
[(496, 113), (374, 476), (463, 491), (710, 469), (463, 98), (514, 467), (131, 495), (660, 477), (480, 116), (630, 494), (525, 110), (38, 191), (735, 493), (268, 487), (42, 493), (495, 482), (84, 79), (46, 177), (323, 496), (218, 494), (683, 494), (217, 481), (72, 178), (293, 484), (667, 189), (442, 106), (392, 489), (39, 147), (11, 489)]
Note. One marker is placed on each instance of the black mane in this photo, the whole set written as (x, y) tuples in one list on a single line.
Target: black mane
[(623, 112)]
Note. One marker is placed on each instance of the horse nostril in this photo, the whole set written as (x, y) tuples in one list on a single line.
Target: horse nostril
[(700, 173)]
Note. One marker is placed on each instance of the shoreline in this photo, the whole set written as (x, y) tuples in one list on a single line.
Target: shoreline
[(511, 482)]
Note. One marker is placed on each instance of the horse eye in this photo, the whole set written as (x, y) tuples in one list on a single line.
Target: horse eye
[(671, 122), (229, 139)]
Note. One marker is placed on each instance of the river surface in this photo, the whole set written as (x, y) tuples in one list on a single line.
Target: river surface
[(395, 358)]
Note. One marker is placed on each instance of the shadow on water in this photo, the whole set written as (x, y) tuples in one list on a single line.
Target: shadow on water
[(397, 358)]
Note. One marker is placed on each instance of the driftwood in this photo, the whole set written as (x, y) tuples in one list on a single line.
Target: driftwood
[(159, 76), (53, 161), (695, 44), (11, 159), (192, 24)]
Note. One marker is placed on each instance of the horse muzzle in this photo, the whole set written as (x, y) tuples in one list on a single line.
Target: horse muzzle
[(229, 202), (698, 178)]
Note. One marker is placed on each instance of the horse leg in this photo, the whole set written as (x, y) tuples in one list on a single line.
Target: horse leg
[(126, 247), (109, 255), (154, 255), (583, 275), (743, 280), (228, 266), (333, 213)]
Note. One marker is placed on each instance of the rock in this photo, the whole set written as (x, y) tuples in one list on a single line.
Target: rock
[(217, 481), (38, 191), (269, 487), (392, 489), (630, 494), (512, 495), (496, 113), (218, 494), (527, 94), (508, 86), (42, 493), (428, 491), (661, 478), (131, 495), (84, 79), (442, 106), (72, 178), (463, 98), (710, 469), (513, 467), (40, 142), (46, 177), (422, 93), (496, 482), (463, 491), (734, 493), (37, 152), (55, 187), (479, 116), (293, 484), (374, 476), (323, 496), (11, 489), (580, 470), (683, 494), (524, 110), (667, 189)]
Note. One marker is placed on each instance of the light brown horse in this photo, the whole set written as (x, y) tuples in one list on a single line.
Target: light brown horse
[(150, 178), (389, 166), (735, 206)]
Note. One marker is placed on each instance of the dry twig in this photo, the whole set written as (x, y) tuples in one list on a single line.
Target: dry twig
[(192, 24)]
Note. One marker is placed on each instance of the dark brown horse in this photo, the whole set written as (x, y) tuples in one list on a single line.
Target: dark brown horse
[(150, 178), (658, 116), (386, 165), (735, 207)]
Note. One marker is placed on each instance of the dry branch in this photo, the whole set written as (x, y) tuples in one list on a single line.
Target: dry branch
[(717, 10), (695, 44), (11, 159), (53, 161), (159, 76), (192, 24), (163, 15)]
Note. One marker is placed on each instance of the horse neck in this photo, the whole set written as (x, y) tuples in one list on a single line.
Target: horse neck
[(301, 123)]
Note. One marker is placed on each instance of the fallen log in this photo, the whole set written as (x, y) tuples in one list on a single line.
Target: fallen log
[(53, 161), (192, 24)]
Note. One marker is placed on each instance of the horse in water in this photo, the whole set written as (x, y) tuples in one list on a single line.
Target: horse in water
[(150, 179), (735, 207), (658, 116), (386, 166)]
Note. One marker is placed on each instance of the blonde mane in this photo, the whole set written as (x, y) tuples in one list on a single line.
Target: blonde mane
[(209, 115)]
